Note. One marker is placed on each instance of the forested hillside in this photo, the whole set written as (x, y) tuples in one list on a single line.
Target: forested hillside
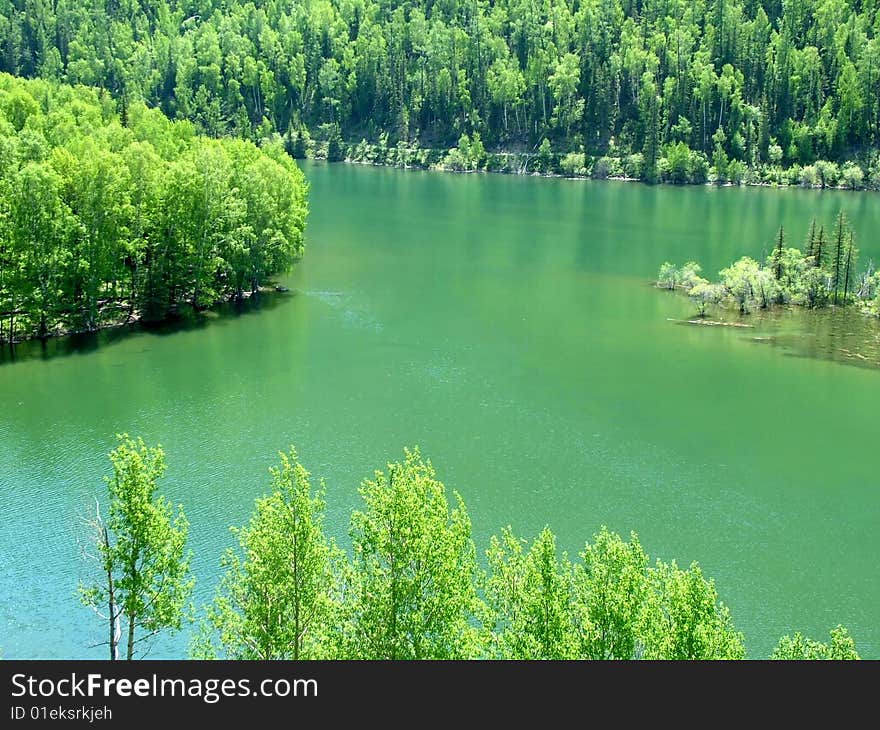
[(106, 216), (671, 89)]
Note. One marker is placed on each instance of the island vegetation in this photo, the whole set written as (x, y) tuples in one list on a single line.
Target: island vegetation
[(412, 586), (825, 273), (726, 90), (110, 213)]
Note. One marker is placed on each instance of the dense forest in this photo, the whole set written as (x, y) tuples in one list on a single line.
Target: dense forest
[(824, 274), (109, 213), (783, 91), (412, 587)]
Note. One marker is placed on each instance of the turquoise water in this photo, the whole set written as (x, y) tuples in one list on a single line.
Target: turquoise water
[(508, 327)]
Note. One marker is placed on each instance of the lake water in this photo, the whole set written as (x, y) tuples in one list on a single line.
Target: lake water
[(508, 327)]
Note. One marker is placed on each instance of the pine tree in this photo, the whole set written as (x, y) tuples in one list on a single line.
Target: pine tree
[(852, 255), (652, 142), (334, 148), (780, 245), (810, 248), (820, 248), (839, 253)]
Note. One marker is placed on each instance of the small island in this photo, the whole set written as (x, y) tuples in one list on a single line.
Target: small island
[(824, 274)]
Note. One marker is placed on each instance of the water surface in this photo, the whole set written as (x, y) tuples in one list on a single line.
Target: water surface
[(507, 326)]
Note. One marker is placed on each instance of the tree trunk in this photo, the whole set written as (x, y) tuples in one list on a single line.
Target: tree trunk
[(848, 268), (112, 618), (131, 623)]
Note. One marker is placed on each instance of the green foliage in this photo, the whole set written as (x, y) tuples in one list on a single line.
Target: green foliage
[(683, 165), (826, 272), (609, 606), (573, 163), (103, 222), (412, 591), (669, 276), (602, 168), (689, 274), (144, 573), (469, 155), (742, 85), (750, 285), (685, 619), (705, 294), (853, 176), (797, 647), (612, 596), (278, 598), (335, 151), (544, 160), (634, 166), (529, 599)]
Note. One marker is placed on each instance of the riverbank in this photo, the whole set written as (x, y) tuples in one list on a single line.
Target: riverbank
[(681, 166), (134, 319)]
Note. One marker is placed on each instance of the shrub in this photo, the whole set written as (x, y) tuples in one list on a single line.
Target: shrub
[(853, 176), (573, 163), (828, 173), (634, 165), (601, 168), (809, 176)]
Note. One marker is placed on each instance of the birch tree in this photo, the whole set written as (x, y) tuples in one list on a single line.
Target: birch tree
[(144, 581), (278, 597)]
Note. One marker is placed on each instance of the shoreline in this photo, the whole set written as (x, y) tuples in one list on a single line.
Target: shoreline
[(135, 319), (609, 178), (429, 159)]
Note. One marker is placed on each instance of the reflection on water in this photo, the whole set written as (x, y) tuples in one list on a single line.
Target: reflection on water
[(843, 335), (184, 321)]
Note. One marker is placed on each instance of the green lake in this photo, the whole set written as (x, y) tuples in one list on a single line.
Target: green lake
[(507, 326)]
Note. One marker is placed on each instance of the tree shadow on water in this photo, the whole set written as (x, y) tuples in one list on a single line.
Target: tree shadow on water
[(186, 320)]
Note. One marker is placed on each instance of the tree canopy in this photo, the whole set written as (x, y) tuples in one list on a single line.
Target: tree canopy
[(413, 588), (824, 273), (143, 578), (737, 84), (107, 216)]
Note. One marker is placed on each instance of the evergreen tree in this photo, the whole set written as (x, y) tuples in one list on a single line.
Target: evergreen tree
[(820, 249), (850, 260), (810, 248), (335, 152), (778, 254), (839, 260), (763, 83), (650, 151)]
